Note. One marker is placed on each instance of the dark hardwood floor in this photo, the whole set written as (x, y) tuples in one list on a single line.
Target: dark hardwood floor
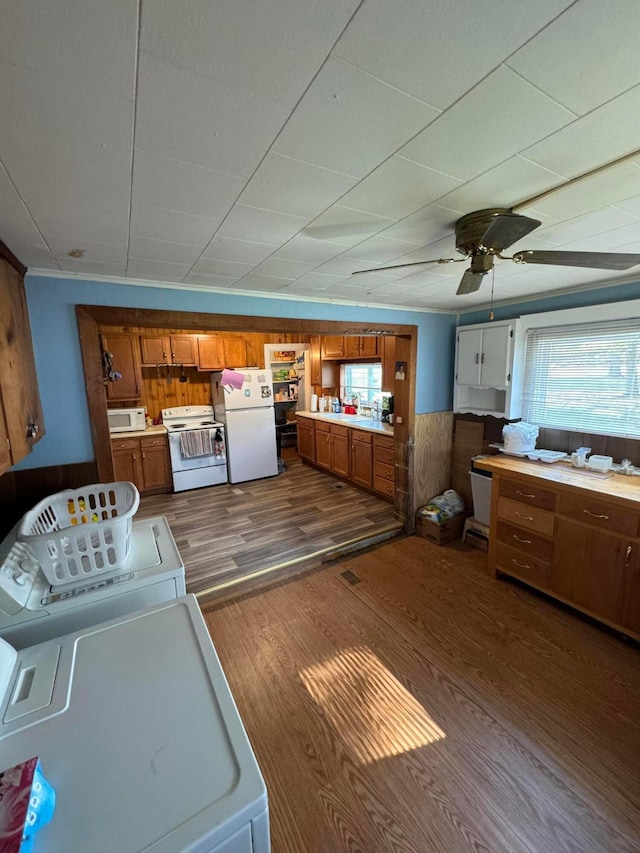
[(230, 533), (427, 707)]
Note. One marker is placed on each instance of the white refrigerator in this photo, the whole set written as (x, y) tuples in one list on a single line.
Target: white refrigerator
[(243, 402)]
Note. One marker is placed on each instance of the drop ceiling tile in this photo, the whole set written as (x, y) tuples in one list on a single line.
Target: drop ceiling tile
[(611, 240), (283, 269), (75, 42), (238, 251), (156, 270), (424, 226), (31, 254), (289, 186), (609, 187), (174, 185), (307, 250), (630, 206), (603, 50), (350, 122), (264, 226), (80, 266), (192, 118), (210, 281), (315, 281), (341, 266), (162, 250), (437, 51), (342, 225), (398, 188), (156, 223), (229, 269), (465, 141), (506, 185), (99, 252), (379, 250), (591, 141), (243, 45), (264, 283), (59, 220), (597, 222)]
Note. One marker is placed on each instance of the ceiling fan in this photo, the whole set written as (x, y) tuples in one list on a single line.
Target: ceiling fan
[(485, 234)]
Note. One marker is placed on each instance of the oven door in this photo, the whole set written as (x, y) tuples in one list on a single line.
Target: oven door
[(185, 458)]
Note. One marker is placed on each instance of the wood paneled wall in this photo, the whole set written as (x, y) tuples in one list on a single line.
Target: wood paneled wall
[(432, 455)]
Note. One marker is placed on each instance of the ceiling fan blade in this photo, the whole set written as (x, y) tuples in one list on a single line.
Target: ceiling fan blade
[(413, 264), (506, 229), (470, 282), (595, 260)]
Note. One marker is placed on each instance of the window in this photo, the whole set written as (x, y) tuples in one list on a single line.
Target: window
[(584, 377), (365, 380)]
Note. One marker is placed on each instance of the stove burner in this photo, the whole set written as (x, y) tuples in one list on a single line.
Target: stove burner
[(178, 426)]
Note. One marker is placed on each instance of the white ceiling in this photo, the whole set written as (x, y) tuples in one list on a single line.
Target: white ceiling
[(276, 147)]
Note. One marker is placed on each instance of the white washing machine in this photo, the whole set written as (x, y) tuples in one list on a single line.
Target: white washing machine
[(32, 611), (137, 731)]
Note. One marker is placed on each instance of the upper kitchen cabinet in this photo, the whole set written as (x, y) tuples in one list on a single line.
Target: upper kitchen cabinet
[(216, 352), (333, 346), (363, 346), (121, 354), (21, 421), (489, 368), (171, 349), (387, 350), (235, 351)]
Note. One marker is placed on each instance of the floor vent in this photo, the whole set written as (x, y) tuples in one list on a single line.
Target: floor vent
[(350, 577), (338, 485)]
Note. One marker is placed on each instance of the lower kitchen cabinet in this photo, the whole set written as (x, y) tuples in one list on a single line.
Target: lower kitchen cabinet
[(306, 439), (384, 465), (362, 458), (332, 448), (143, 461)]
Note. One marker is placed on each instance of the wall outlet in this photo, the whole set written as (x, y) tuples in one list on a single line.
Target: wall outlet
[(398, 420)]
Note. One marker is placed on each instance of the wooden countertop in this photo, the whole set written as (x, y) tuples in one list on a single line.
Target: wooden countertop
[(160, 429), (352, 421), (620, 486)]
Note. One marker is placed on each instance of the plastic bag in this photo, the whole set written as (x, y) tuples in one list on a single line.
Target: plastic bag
[(520, 437), (450, 503)]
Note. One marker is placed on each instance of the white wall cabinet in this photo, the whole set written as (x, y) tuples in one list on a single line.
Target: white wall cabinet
[(489, 369)]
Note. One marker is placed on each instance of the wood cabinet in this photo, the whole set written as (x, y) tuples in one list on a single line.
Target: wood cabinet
[(489, 369), (125, 360), (306, 439), (171, 349), (332, 346), (363, 346), (315, 363), (235, 351), (210, 352), (362, 458), (143, 461), (332, 448), (384, 465), (577, 541), (21, 420), (387, 349)]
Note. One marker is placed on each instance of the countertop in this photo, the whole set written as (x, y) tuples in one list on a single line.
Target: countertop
[(355, 421), (160, 429), (620, 486)]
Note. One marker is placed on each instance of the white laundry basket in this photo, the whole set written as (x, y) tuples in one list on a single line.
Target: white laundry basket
[(82, 532)]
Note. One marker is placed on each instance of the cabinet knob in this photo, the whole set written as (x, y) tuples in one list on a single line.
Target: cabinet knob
[(32, 430), (143, 456)]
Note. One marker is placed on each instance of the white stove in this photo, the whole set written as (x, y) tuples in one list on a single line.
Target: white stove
[(197, 447), (32, 611)]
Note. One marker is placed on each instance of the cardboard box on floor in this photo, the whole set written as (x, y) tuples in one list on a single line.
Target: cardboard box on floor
[(441, 532)]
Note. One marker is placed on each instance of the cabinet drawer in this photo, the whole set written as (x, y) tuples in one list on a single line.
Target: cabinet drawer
[(528, 493), (382, 471), (336, 429), (383, 441), (361, 435), (323, 426), (618, 519), (523, 515), (384, 454), (525, 541), (125, 444), (385, 487), (154, 441), (524, 566)]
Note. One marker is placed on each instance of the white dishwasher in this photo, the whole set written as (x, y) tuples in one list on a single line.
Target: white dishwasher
[(137, 731)]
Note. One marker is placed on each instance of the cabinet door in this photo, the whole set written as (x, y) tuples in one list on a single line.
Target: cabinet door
[(361, 460), (210, 352), (351, 346), (333, 346), (235, 352), (127, 465), (495, 356), (468, 361), (632, 604), (124, 349), (340, 453), (368, 346), (156, 468), (183, 349), (315, 363), (590, 569), (154, 350), (323, 449), (306, 441), (388, 353)]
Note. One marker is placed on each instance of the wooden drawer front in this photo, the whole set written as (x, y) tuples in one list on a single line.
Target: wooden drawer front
[(382, 471), (361, 435), (154, 441), (522, 515), (323, 426), (383, 441), (618, 519), (524, 566), (384, 454), (125, 444), (385, 487), (525, 541), (528, 493), (336, 429)]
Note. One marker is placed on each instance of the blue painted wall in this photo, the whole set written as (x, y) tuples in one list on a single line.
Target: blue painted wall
[(52, 301), (600, 296)]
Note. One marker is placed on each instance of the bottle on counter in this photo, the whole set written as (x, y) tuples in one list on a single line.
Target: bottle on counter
[(336, 405), (322, 404)]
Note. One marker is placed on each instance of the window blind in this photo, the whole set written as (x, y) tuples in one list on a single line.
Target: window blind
[(584, 377)]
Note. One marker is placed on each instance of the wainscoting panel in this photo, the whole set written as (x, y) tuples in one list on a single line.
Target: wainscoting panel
[(432, 455)]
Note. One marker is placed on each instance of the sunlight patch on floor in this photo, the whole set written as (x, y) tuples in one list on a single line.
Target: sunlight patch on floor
[(373, 713)]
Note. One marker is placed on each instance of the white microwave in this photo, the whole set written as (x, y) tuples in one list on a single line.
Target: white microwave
[(125, 420)]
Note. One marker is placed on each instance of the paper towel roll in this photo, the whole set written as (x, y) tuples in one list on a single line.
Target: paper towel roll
[(314, 402)]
